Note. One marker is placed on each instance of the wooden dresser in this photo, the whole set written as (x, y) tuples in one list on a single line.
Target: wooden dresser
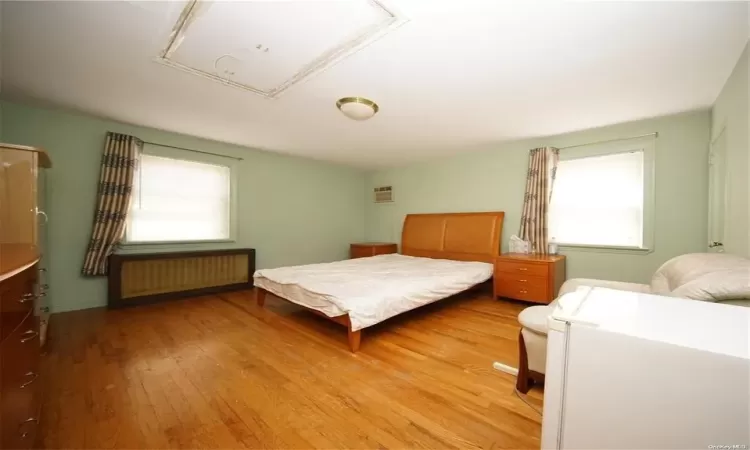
[(365, 249), (20, 255), (531, 278), (19, 355)]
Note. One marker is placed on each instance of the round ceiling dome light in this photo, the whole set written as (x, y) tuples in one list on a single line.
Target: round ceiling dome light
[(357, 108)]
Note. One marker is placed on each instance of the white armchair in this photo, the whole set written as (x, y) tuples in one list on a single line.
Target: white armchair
[(717, 277)]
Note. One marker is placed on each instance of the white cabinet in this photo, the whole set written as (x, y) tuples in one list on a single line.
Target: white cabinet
[(630, 370)]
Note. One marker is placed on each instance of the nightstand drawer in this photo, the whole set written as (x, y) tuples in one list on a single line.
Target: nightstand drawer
[(530, 289), (361, 252), (521, 268), (531, 278), (365, 249)]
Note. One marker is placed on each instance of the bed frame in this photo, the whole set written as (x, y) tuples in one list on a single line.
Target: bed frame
[(455, 236)]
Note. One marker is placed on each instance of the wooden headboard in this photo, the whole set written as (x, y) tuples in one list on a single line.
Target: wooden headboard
[(457, 236)]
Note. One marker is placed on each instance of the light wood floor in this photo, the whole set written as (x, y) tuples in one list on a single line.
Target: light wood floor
[(220, 372)]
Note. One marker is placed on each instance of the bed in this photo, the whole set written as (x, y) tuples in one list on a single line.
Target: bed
[(441, 255)]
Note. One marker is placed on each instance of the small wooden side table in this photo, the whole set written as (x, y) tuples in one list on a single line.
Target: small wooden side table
[(365, 249), (531, 278)]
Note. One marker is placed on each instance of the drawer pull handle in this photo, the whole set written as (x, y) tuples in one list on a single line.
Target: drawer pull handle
[(25, 434), (523, 269), (27, 298), (29, 335), (524, 292), (522, 281), (33, 376)]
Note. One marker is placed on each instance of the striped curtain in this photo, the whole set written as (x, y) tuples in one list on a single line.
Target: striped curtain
[(120, 157), (541, 176)]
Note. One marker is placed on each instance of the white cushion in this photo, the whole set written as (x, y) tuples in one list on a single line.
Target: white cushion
[(721, 285), (685, 268), (535, 318), (536, 350), (573, 284)]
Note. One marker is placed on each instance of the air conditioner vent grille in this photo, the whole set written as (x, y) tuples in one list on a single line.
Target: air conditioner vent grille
[(383, 194)]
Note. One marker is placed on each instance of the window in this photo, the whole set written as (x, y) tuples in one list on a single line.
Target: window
[(602, 199), (180, 200)]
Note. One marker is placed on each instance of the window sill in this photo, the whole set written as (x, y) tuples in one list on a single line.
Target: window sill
[(140, 247), (606, 249)]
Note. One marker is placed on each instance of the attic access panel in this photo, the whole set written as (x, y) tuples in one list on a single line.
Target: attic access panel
[(267, 47)]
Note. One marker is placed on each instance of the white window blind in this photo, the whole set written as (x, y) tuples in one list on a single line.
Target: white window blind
[(179, 200), (599, 200)]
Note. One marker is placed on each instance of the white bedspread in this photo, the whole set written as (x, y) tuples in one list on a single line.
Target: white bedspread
[(372, 289)]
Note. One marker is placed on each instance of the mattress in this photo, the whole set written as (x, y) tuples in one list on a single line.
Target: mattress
[(372, 289)]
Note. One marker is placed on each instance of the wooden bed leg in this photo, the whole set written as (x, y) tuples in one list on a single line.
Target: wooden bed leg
[(522, 379), (354, 339), (260, 296)]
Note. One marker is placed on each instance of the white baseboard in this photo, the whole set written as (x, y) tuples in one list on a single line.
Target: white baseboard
[(505, 368)]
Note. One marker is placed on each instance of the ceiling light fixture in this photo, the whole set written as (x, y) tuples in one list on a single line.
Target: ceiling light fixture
[(357, 108)]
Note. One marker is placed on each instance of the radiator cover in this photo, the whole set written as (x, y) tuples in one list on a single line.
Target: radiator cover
[(141, 278)]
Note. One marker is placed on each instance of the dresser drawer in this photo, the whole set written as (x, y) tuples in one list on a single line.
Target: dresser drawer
[(522, 268), (19, 412), (526, 288), (20, 355), (19, 385), (16, 300)]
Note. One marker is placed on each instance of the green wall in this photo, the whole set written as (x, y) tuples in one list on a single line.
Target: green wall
[(291, 210), (296, 211), (730, 115), (493, 177)]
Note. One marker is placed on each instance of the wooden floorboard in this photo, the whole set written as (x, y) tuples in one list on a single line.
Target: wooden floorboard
[(220, 372)]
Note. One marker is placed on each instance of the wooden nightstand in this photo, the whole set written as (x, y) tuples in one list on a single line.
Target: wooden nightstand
[(531, 278), (365, 249)]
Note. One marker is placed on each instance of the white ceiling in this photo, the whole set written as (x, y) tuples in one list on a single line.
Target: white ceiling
[(267, 48), (456, 74)]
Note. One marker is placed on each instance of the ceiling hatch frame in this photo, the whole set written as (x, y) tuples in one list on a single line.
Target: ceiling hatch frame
[(326, 60)]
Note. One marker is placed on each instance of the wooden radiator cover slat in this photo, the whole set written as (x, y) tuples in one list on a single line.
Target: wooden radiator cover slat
[(150, 277)]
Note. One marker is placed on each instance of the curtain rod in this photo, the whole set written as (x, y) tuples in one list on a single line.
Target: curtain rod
[(196, 151), (654, 134)]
